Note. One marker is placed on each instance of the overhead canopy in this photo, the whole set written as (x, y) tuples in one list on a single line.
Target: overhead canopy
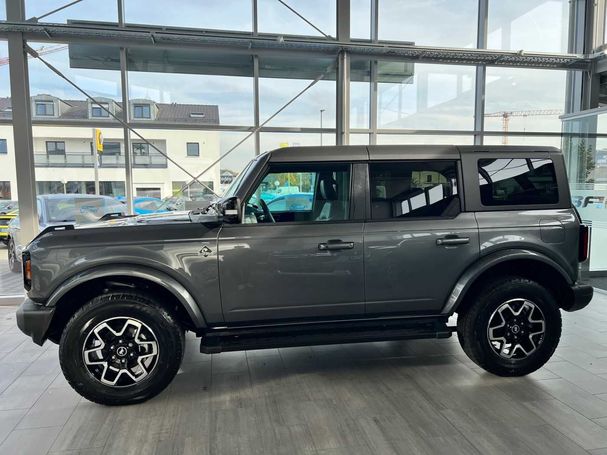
[(213, 62)]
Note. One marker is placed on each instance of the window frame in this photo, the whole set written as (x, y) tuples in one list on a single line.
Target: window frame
[(46, 143), (142, 106), (103, 113), (187, 149), (472, 187), (354, 215), (460, 190), (46, 105)]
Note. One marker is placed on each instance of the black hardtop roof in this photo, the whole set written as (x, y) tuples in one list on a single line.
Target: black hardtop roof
[(393, 152)]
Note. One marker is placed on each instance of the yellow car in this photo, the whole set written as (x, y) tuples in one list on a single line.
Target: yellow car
[(6, 216)]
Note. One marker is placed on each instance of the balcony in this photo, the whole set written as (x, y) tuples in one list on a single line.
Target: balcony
[(151, 161)]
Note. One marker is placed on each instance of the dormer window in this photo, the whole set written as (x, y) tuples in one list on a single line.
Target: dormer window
[(98, 112), (197, 115), (45, 108), (142, 111)]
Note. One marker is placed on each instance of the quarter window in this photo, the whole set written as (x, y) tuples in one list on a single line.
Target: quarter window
[(410, 189), (304, 193), (517, 181)]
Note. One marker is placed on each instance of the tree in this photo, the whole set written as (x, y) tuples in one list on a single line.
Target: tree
[(586, 162)]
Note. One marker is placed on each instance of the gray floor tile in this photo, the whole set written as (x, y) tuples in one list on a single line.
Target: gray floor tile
[(33, 441)]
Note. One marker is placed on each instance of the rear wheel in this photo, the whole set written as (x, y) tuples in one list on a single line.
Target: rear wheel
[(121, 348), (512, 328), (14, 264)]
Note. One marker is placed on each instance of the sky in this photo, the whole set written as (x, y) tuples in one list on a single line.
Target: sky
[(434, 97)]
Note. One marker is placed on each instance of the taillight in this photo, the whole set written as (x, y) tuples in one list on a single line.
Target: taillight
[(584, 244), (27, 271)]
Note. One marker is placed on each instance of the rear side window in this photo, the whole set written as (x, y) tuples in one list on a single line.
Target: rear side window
[(411, 189), (517, 181)]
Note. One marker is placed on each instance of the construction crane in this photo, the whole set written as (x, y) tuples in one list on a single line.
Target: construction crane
[(506, 115), (44, 50)]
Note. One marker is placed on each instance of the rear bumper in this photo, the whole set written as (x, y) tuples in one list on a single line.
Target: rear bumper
[(582, 295), (34, 320)]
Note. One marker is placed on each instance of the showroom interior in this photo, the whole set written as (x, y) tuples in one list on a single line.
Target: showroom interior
[(184, 94)]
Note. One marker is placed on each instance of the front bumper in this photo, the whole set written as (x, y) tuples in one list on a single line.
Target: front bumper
[(582, 295), (34, 320)]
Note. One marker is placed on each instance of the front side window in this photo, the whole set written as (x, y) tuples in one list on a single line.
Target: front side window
[(411, 189), (45, 108), (303, 193), (55, 148), (517, 181)]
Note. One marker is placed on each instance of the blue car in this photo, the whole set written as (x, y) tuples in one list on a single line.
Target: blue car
[(295, 202)]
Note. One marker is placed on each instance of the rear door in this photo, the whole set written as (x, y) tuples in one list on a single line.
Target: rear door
[(417, 239)]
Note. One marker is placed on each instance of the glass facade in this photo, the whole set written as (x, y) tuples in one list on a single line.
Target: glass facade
[(206, 107)]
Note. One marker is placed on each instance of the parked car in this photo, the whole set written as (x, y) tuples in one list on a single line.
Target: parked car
[(145, 205), (8, 211), (291, 202), (60, 209), (396, 241)]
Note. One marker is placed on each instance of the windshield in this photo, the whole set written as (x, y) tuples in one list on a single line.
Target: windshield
[(80, 210)]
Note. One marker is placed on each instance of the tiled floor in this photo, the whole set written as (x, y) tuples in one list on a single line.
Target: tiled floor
[(413, 397)]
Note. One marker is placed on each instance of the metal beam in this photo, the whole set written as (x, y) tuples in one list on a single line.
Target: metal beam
[(373, 86), (22, 130), (246, 44), (256, 104)]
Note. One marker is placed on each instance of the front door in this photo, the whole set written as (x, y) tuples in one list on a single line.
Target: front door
[(297, 253), (417, 241)]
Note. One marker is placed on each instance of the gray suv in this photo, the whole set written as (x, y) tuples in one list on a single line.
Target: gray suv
[(396, 240)]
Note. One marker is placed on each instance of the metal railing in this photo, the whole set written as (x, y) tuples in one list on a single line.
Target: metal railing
[(152, 160)]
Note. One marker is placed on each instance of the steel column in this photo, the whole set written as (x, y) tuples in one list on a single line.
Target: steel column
[(481, 73), (22, 125), (342, 108), (124, 83), (373, 92), (256, 104)]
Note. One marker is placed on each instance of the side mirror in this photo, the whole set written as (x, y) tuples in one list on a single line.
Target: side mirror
[(231, 210)]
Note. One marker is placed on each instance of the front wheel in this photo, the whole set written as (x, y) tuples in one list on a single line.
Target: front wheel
[(121, 348), (512, 328)]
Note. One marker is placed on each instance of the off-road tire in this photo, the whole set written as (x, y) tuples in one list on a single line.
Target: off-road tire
[(472, 325), (168, 332)]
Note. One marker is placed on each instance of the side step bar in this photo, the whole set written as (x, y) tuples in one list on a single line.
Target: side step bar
[(239, 339)]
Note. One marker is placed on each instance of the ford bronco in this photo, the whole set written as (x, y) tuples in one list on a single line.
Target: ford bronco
[(388, 244)]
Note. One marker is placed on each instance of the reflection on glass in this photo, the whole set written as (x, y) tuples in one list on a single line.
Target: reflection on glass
[(315, 105), (359, 104), (532, 25), (274, 17), (523, 99), (386, 139), (89, 10), (210, 14), (444, 23), (430, 97)]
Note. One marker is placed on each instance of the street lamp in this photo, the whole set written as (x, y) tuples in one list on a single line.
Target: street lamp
[(321, 111)]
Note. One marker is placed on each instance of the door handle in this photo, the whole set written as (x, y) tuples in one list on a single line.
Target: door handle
[(449, 241), (332, 245)]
